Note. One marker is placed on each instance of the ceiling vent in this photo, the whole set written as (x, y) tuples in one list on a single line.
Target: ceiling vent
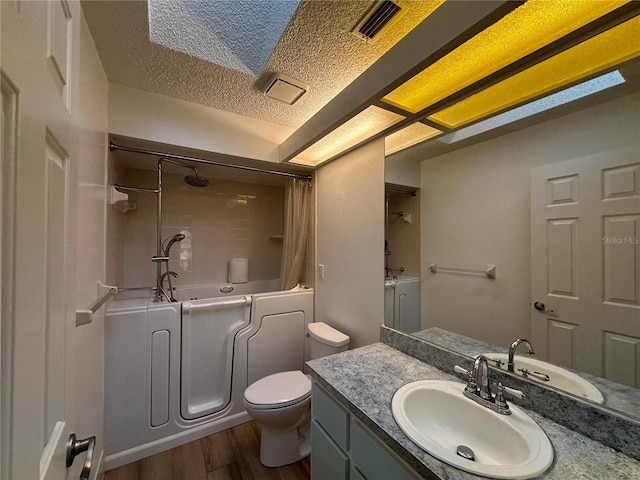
[(285, 89), (379, 16)]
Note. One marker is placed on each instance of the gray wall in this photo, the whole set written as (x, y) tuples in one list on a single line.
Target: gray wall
[(350, 243)]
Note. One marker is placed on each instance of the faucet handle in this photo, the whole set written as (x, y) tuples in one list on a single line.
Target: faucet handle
[(500, 389), (471, 387), (512, 391), (499, 393), (498, 363), (501, 405)]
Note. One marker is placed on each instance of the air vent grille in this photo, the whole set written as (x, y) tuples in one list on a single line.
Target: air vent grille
[(376, 19)]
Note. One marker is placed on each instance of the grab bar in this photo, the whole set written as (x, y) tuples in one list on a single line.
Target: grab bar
[(187, 307), (489, 272), (105, 292), (132, 289)]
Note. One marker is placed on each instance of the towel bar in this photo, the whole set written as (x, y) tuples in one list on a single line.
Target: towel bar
[(489, 272)]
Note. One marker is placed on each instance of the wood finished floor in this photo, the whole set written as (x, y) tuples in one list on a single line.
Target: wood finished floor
[(228, 455)]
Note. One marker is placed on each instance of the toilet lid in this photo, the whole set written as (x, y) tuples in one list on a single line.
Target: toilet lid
[(279, 390)]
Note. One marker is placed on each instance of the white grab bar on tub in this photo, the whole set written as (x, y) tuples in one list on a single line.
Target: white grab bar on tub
[(187, 307), (105, 292)]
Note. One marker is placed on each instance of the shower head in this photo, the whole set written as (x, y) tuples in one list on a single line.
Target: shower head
[(170, 241), (196, 180)]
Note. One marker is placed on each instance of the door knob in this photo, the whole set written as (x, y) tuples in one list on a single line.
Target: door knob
[(541, 308), (75, 447)]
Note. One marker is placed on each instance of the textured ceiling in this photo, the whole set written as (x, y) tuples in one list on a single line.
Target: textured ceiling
[(316, 48)]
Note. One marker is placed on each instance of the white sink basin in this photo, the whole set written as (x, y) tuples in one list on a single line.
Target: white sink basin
[(558, 377), (439, 418)]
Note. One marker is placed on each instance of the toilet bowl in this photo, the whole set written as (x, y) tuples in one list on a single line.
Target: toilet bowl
[(281, 403)]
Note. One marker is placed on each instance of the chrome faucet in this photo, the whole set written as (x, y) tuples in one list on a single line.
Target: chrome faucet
[(481, 374), (479, 379), (513, 348), (478, 387), (167, 276), (164, 248)]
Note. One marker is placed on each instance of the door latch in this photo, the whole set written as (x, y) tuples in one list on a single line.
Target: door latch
[(75, 447)]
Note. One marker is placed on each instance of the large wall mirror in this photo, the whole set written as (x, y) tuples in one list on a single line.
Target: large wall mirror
[(553, 202)]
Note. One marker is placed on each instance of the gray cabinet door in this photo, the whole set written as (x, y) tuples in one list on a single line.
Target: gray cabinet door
[(372, 460), (328, 461)]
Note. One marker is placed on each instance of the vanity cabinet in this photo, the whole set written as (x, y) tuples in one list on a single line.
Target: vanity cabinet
[(343, 448)]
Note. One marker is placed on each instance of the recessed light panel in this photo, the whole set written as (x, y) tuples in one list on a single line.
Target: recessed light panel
[(408, 136), (599, 53), (568, 95), (366, 124), (528, 28)]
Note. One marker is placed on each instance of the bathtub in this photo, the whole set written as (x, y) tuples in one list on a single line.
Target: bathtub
[(175, 372)]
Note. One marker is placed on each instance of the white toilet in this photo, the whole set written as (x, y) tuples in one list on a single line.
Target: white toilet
[(281, 403)]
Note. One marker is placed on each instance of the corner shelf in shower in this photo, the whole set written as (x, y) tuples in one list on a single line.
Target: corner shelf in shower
[(276, 237), (120, 200)]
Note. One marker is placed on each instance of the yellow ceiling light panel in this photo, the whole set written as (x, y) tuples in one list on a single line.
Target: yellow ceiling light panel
[(409, 136), (599, 53), (528, 28), (358, 129)]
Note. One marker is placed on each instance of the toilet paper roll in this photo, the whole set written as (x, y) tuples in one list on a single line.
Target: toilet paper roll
[(239, 270)]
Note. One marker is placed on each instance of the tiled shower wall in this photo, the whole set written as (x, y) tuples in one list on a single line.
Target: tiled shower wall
[(224, 220)]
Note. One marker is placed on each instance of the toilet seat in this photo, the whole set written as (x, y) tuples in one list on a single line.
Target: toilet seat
[(279, 390)]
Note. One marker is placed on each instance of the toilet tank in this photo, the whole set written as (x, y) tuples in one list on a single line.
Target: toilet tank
[(325, 340)]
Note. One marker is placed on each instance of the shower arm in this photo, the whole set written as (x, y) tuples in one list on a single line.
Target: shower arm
[(180, 164)]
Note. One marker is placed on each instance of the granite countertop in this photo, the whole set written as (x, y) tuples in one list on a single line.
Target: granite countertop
[(365, 379), (621, 398)]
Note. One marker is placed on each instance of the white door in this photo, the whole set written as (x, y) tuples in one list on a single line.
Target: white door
[(37, 288), (585, 264)]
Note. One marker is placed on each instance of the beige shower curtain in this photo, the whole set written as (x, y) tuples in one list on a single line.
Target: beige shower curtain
[(297, 215)]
